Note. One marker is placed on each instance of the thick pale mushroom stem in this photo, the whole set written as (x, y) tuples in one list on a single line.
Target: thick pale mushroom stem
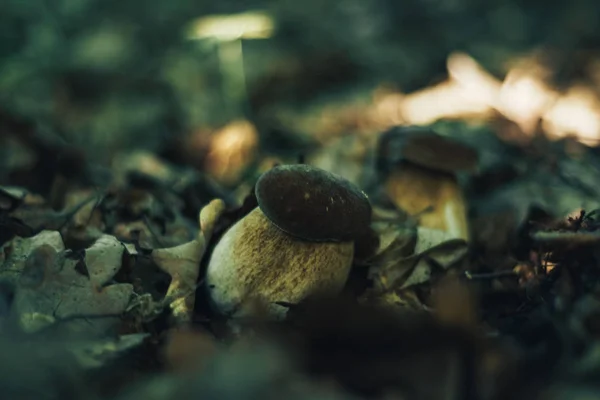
[(415, 189), (256, 262), (420, 170)]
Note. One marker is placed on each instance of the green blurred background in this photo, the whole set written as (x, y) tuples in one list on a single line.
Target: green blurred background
[(125, 74)]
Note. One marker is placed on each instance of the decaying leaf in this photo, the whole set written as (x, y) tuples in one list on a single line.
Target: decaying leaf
[(392, 260), (412, 259), (87, 222), (407, 249), (15, 252), (444, 255), (138, 232), (394, 239), (50, 289), (428, 238)]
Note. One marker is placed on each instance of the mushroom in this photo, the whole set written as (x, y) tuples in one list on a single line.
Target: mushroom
[(298, 242), (419, 172), (228, 33)]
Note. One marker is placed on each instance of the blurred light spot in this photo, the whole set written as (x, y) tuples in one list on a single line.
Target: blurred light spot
[(576, 113), (231, 150), (523, 97)]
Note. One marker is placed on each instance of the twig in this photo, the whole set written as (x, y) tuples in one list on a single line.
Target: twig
[(151, 230), (490, 275)]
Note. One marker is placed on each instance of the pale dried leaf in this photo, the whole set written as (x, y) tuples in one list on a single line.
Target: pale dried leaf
[(103, 259), (420, 273), (388, 231), (393, 262), (448, 253), (11, 196), (130, 249), (14, 192), (19, 249), (428, 238), (182, 262), (64, 293), (444, 255), (394, 243)]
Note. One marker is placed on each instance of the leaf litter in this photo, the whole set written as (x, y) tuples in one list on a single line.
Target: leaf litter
[(106, 274)]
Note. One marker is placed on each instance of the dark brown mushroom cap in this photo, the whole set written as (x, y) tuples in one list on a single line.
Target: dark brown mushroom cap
[(313, 204), (424, 147)]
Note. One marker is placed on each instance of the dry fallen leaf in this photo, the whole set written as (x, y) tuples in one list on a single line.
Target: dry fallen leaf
[(428, 238), (410, 259), (16, 251), (103, 260), (444, 255), (182, 263), (136, 231), (87, 224), (392, 236), (50, 289), (412, 250)]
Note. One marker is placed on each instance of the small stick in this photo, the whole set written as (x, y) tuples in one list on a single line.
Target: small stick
[(490, 275)]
